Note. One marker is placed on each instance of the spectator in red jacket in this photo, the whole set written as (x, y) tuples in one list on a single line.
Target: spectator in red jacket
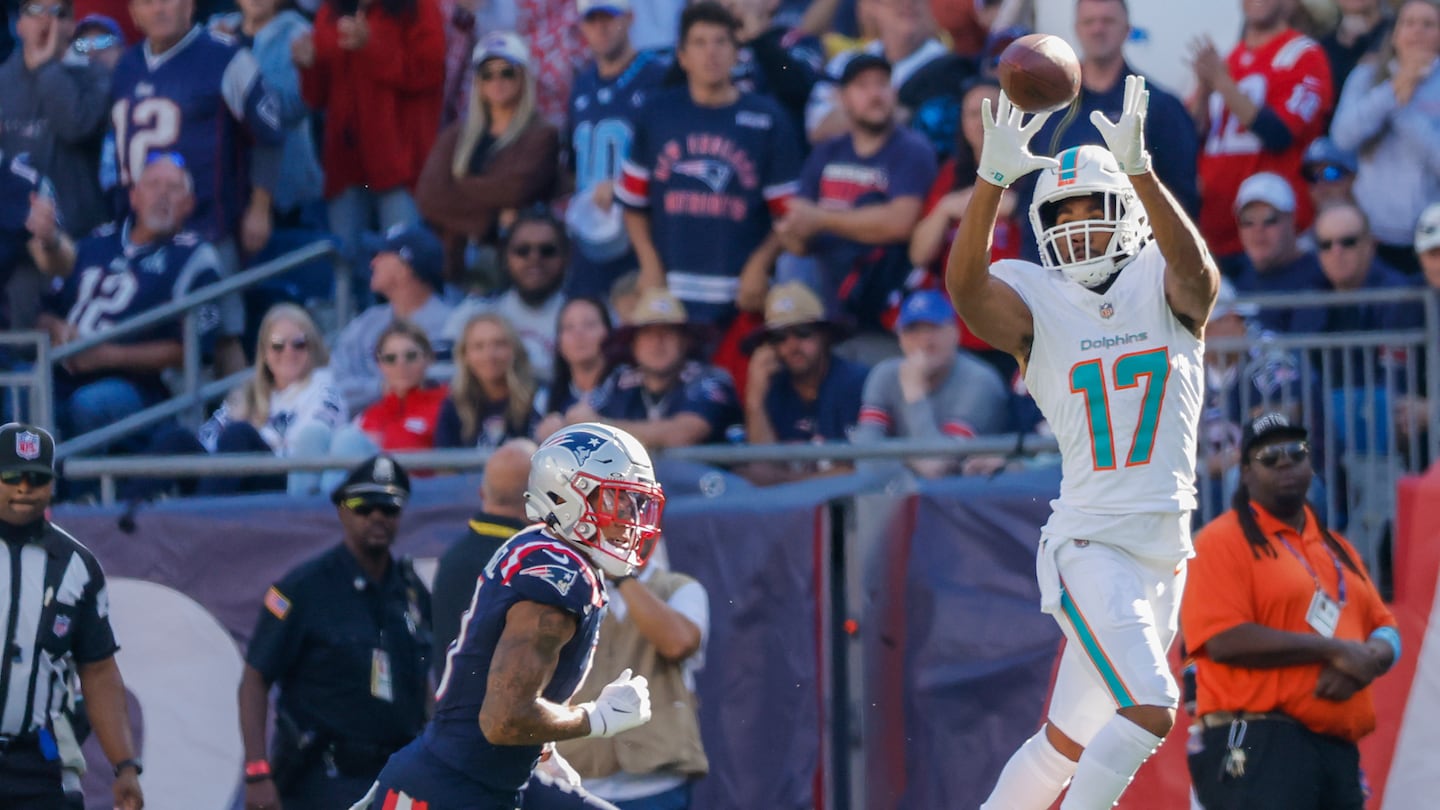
[(376, 69), (405, 416)]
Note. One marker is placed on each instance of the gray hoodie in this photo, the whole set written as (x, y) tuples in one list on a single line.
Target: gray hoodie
[(58, 114)]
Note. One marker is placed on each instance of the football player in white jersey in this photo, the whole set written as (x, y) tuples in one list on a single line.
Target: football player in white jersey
[(1109, 334)]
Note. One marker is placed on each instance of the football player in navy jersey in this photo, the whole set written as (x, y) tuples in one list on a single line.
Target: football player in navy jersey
[(124, 269), (604, 99), (195, 92), (709, 168), (527, 640)]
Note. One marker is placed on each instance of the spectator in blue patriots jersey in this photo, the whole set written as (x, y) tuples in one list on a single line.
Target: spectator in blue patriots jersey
[(860, 198), (665, 397), (709, 168), (604, 99), (529, 637), (126, 268), (54, 103), (196, 93)]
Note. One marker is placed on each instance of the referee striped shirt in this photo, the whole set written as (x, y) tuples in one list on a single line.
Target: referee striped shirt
[(56, 615)]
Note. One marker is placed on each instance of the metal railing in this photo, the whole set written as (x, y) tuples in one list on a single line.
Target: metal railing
[(193, 395)]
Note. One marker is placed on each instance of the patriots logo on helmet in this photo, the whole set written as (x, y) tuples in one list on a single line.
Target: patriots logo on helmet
[(579, 442), (559, 577)]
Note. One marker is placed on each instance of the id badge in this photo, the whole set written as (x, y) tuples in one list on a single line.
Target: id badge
[(381, 686), (1323, 615)]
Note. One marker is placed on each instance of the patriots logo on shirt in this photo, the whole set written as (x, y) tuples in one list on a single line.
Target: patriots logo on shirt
[(559, 577), (712, 173)]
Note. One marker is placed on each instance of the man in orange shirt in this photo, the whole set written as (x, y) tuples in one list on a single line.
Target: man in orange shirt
[(1288, 631)]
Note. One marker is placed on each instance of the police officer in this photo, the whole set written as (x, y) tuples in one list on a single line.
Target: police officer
[(347, 637), (58, 620)]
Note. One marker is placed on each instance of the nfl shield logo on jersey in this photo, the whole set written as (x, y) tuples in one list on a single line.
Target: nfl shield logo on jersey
[(27, 445), (1107, 310), (62, 626)]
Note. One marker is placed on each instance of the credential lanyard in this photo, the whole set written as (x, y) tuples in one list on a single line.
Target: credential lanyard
[(1339, 572)]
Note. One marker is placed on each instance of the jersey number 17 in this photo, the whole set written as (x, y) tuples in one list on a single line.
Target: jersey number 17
[(1088, 380)]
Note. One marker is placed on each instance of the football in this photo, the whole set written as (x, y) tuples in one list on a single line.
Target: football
[(1039, 73)]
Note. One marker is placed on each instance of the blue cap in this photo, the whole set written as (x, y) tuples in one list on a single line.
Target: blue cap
[(1323, 152), (925, 306), (418, 247), (100, 21)]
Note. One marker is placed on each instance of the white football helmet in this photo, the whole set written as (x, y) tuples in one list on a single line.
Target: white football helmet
[(589, 477), (1083, 171)]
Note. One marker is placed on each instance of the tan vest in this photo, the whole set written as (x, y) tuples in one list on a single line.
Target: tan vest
[(670, 742)]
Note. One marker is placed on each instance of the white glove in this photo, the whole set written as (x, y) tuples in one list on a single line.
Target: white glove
[(557, 769), (1005, 153), (623, 704), (1126, 137)]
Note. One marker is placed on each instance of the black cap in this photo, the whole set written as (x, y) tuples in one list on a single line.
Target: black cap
[(379, 480), (1266, 427), (860, 64), (26, 448)]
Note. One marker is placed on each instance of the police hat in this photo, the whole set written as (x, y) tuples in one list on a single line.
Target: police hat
[(26, 448), (379, 480)]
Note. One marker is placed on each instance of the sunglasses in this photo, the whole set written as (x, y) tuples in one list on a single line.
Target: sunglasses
[(1346, 242), (99, 42), (368, 509), (34, 479), (547, 250), (57, 10), (391, 358), (1270, 456), (1268, 222), (174, 157), (1325, 174), (502, 73), (802, 332), (299, 344)]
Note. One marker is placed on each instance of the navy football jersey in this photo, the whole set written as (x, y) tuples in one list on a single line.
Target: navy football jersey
[(710, 178), (703, 389), (451, 763), (194, 100), (114, 281)]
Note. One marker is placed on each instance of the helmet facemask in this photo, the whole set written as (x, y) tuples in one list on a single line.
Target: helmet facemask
[(619, 521)]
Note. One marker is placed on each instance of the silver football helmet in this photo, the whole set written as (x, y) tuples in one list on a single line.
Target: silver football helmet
[(1085, 171), (588, 478)]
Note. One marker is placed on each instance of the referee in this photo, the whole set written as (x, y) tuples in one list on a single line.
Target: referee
[(54, 612)]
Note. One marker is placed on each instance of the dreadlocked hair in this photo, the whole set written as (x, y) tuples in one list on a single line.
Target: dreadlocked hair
[(1259, 542)]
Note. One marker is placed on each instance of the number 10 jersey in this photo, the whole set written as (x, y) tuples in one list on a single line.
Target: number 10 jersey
[(1120, 381)]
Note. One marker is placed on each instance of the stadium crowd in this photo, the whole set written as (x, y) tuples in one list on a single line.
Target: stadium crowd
[(727, 230)]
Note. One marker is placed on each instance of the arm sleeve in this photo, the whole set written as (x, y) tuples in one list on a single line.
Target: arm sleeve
[(633, 190), (279, 636), (691, 601), (1421, 131), (315, 80), (73, 100), (202, 270), (781, 179), (1220, 586), (876, 416), (357, 379), (94, 639), (519, 174), (551, 575), (284, 85), (250, 101), (1364, 109)]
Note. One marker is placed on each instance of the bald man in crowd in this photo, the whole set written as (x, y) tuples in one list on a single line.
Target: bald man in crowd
[(502, 513)]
